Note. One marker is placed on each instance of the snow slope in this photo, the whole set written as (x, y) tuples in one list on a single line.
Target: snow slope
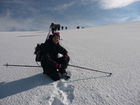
[(113, 48)]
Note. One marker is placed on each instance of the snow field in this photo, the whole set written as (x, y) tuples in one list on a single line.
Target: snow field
[(113, 48)]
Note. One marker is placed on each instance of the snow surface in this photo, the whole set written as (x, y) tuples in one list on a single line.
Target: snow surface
[(113, 48)]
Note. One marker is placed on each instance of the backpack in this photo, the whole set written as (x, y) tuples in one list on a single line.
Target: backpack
[(39, 52)]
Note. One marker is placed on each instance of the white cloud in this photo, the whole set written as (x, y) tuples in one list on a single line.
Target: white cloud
[(86, 2), (121, 19), (62, 6), (9, 24), (109, 4)]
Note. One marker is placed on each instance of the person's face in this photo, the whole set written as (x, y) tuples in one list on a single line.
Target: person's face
[(56, 39)]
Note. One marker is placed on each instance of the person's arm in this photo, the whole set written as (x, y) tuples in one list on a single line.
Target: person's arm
[(51, 62), (62, 50)]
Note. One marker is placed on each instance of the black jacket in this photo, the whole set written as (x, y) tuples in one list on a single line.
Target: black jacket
[(50, 52)]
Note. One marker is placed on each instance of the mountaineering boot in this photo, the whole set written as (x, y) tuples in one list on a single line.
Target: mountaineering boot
[(65, 76)]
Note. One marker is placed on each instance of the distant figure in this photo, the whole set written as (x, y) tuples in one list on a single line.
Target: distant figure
[(54, 27), (62, 27), (66, 28), (53, 66), (77, 27)]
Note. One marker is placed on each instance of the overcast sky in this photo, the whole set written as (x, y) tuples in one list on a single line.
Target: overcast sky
[(17, 15)]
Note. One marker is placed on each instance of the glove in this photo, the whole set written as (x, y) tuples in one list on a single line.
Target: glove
[(66, 57), (58, 66)]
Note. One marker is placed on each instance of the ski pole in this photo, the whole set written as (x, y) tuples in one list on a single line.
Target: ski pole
[(68, 65), (90, 69), (48, 34), (20, 65)]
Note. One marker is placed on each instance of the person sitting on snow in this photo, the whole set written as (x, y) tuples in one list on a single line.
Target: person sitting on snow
[(52, 65)]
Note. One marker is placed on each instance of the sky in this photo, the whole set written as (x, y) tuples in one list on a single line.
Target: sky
[(30, 15)]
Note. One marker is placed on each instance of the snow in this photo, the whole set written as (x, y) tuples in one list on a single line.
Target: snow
[(113, 48)]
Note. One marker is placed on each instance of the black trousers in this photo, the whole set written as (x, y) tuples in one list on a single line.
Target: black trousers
[(52, 72)]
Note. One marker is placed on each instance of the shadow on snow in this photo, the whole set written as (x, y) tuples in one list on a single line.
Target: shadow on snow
[(14, 87), (18, 86)]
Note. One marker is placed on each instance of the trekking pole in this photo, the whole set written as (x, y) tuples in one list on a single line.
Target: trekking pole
[(90, 69), (20, 65), (48, 34)]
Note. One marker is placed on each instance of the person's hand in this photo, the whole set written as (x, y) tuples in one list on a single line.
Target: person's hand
[(66, 56), (58, 66)]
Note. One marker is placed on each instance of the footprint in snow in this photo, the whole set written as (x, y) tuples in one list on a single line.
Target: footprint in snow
[(68, 90), (63, 94)]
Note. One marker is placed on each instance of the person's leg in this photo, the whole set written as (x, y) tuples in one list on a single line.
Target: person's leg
[(44, 66), (64, 63), (49, 70), (54, 75)]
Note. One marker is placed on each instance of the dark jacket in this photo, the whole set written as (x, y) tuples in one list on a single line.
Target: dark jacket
[(50, 52)]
